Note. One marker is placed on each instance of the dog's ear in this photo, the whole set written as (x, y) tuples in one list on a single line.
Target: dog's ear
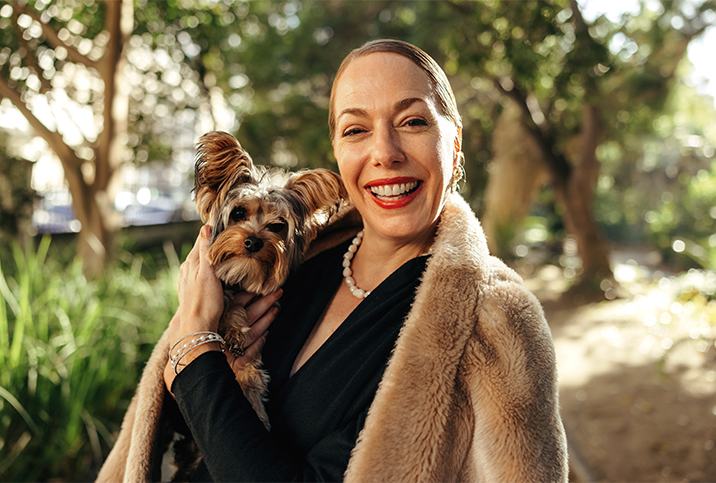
[(221, 164), (315, 190)]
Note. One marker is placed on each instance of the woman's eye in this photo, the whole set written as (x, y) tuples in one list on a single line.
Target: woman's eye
[(238, 214), (353, 131), (277, 227), (416, 122)]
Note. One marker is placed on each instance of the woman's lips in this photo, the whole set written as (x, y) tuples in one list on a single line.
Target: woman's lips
[(395, 192)]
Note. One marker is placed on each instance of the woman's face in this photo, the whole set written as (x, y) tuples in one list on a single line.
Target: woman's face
[(395, 151)]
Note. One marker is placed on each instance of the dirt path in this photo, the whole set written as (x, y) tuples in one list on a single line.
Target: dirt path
[(637, 378)]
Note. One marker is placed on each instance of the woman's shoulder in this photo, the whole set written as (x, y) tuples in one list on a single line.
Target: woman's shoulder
[(510, 320)]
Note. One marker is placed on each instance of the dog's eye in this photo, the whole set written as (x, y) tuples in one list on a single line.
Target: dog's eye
[(238, 214), (277, 227)]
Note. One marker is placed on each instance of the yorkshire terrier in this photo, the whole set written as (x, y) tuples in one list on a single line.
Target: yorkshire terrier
[(261, 228)]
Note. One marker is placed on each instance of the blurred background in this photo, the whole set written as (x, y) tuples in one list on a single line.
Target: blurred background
[(589, 138)]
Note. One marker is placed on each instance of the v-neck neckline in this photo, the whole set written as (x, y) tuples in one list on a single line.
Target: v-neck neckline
[(332, 276), (358, 312)]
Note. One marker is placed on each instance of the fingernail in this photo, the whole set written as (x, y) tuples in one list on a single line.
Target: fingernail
[(205, 231)]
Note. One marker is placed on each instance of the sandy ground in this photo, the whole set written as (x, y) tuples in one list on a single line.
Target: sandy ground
[(637, 377)]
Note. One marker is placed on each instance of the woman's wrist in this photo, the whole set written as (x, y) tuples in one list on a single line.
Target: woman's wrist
[(191, 355), (188, 347)]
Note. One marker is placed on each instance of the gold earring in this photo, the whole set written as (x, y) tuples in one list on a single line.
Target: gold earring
[(458, 171)]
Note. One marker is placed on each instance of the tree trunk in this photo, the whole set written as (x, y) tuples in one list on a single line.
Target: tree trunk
[(573, 176), (517, 172), (91, 184), (95, 241), (574, 194)]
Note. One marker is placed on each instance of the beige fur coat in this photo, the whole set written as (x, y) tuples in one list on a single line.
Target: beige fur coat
[(470, 392)]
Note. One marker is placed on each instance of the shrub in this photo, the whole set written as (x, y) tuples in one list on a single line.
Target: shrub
[(71, 353)]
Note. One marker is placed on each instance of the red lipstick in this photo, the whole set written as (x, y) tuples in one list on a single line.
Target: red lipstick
[(398, 201)]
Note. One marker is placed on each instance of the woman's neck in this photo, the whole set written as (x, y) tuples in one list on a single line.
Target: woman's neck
[(378, 256)]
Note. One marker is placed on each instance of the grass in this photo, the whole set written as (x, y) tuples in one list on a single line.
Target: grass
[(71, 353)]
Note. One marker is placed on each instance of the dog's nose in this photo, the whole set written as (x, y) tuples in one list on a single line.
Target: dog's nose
[(253, 244)]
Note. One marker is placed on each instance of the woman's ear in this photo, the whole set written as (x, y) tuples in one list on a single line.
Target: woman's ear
[(458, 147)]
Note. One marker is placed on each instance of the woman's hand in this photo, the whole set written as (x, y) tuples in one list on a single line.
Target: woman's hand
[(201, 296), (201, 301)]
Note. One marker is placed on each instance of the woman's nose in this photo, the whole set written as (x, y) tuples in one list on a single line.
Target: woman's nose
[(386, 146)]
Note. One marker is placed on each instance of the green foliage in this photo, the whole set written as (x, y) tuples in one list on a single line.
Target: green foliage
[(71, 352), (271, 61), (688, 225), (659, 187)]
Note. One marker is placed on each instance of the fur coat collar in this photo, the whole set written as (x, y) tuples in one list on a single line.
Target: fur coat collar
[(470, 392)]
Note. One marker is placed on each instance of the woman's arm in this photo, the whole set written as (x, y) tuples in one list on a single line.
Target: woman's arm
[(513, 384), (233, 441)]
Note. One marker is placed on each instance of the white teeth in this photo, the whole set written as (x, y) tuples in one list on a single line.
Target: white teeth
[(393, 190)]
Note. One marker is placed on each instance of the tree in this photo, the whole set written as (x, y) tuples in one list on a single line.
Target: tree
[(52, 58), (277, 66), (560, 74)]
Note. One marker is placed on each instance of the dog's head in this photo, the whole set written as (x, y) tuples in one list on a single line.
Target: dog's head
[(260, 229)]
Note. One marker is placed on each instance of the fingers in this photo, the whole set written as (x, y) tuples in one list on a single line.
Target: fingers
[(260, 327), (204, 239), (193, 256), (188, 270), (245, 298), (201, 297), (261, 312), (254, 350), (197, 255), (257, 308), (251, 353)]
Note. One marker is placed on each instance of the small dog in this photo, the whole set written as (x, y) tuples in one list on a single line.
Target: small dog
[(260, 231)]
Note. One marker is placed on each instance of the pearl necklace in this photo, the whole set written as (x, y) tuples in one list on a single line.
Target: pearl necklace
[(347, 273)]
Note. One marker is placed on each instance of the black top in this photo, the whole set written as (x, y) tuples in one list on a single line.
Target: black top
[(317, 413)]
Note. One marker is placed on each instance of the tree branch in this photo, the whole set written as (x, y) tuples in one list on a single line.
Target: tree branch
[(54, 139), (54, 39), (118, 23), (578, 18), (558, 165), (460, 8)]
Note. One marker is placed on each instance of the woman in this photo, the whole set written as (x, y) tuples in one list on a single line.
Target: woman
[(425, 360)]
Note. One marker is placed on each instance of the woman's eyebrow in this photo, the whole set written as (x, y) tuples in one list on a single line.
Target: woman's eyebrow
[(355, 111), (406, 103), (398, 107)]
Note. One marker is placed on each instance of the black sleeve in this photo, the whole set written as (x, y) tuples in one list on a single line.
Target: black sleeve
[(234, 443)]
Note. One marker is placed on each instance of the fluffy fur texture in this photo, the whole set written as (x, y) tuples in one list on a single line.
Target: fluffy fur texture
[(470, 392)]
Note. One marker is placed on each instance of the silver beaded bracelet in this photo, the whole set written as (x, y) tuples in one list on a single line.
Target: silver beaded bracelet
[(205, 337)]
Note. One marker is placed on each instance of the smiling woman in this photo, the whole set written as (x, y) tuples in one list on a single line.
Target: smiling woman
[(390, 135), (440, 367)]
